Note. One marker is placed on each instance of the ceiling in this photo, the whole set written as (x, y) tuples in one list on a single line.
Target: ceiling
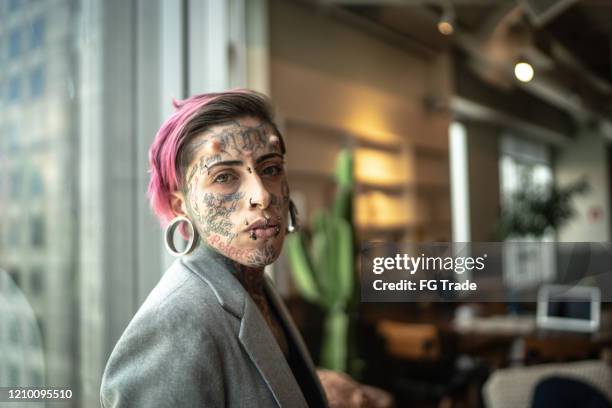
[(583, 27), (586, 29), (569, 42)]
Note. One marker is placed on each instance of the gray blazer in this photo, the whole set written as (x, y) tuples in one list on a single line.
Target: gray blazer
[(200, 341)]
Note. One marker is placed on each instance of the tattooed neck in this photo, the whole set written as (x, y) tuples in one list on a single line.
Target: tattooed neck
[(251, 278)]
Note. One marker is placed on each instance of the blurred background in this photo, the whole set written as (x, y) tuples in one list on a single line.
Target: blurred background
[(463, 120)]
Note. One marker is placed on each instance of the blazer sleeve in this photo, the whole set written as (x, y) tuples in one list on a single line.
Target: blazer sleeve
[(165, 358)]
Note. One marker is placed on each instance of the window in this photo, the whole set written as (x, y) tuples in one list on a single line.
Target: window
[(15, 275), (36, 185), (41, 327), (13, 138), (36, 280), (14, 332), (37, 229), (13, 375), (14, 43), (37, 38), (14, 5), (36, 378), (71, 131), (37, 82), (525, 166), (35, 336), (14, 89), (16, 182), (460, 197), (14, 234)]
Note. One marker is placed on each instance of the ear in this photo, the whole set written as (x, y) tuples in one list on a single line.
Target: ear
[(178, 204)]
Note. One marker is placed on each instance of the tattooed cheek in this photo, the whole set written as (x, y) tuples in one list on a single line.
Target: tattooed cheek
[(230, 250), (232, 196), (234, 252), (214, 239), (274, 201)]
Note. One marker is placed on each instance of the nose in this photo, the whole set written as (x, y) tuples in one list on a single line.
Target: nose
[(258, 196)]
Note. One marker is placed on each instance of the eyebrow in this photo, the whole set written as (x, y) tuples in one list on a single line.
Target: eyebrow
[(260, 159), (265, 157), (224, 163)]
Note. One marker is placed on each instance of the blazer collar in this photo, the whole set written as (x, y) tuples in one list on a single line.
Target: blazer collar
[(218, 272), (254, 334)]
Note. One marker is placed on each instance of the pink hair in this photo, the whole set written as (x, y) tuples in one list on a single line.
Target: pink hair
[(163, 154)]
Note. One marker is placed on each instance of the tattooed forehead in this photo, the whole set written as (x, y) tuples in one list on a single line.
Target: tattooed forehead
[(236, 139)]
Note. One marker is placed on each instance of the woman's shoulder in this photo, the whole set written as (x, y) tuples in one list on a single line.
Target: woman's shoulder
[(180, 330), (180, 296)]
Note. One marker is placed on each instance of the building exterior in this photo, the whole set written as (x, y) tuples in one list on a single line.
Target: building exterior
[(38, 215)]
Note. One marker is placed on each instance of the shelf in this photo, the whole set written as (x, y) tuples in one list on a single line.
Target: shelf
[(352, 137), (388, 189), (400, 188), (386, 228), (432, 152), (430, 187)]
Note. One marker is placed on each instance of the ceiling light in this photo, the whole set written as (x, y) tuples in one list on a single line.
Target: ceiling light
[(523, 71), (445, 27), (447, 20)]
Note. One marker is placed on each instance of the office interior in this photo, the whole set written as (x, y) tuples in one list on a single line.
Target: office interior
[(454, 113)]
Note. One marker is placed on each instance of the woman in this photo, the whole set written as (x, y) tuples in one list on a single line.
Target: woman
[(214, 332)]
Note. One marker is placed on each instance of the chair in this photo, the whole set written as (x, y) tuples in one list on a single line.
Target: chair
[(423, 365), (513, 387)]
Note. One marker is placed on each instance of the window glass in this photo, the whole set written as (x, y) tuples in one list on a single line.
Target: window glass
[(38, 32), (14, 43), (13, 5), (14, 89), (37, 82), (40, 129)]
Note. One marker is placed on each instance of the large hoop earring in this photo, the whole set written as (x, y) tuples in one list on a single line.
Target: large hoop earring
[(293, 225), (169, 236)]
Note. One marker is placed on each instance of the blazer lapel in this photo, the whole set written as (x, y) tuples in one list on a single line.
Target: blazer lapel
[(296, 337), (265, 353)]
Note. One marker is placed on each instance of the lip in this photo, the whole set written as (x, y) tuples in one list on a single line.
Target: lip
[(260, 230), (263, 233), (260, 223)]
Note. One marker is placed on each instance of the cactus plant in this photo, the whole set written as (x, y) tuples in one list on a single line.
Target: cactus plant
[(323, 269)]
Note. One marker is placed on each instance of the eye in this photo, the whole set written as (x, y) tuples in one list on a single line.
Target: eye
[(224, 178), (273, 170)]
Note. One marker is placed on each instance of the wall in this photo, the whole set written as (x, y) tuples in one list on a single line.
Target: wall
[(586, 157), (483, 170), (336, 86)]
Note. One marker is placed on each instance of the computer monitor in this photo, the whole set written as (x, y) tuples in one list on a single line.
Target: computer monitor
[(572, 308)]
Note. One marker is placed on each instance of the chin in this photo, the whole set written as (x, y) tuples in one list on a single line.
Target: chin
[(265, 253)]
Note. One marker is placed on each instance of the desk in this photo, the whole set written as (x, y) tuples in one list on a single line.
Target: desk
[(536, 345), (501, 340)]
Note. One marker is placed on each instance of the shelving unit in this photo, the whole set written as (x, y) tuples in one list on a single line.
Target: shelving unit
[(402, 190)]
